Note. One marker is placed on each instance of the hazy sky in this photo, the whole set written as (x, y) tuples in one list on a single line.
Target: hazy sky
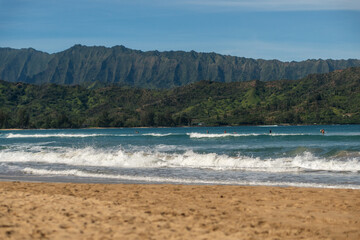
[(281, 29)]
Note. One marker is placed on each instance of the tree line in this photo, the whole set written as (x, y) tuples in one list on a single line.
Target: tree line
[(332, 98)]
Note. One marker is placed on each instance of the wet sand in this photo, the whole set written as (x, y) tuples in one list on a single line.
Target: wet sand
[(140, 211)]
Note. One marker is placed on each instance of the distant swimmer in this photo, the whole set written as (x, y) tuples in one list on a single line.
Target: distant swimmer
[(207, 131), (225, 131), (270, 131), (322, 131)]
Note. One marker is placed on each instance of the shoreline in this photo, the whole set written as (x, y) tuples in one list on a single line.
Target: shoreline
[(89, 180), (225, 126), (32, 210)]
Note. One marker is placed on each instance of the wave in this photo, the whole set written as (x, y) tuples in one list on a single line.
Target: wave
[(219, 135), (266, 126), (62, 135), (116, 157), (158, 134), (151, 179), (223, 135), (68, 135), (191, 135)]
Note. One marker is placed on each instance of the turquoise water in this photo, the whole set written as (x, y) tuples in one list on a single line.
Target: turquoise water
[(289, 156)]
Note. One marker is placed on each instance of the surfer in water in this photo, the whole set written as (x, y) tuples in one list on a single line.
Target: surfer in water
[(322, 131)]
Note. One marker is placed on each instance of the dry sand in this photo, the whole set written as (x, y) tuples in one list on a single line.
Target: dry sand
[(130, 211)]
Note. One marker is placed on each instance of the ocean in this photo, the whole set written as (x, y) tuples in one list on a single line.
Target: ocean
[(246, 155)]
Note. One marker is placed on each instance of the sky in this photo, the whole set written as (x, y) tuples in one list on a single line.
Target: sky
[(287, 30)]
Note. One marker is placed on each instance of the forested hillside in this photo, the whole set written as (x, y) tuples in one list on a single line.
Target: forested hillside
[(157, 70), (316, 99)]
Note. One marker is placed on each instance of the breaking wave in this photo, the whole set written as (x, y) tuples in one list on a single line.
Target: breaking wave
[(158, 134), (61, 135), (222, 135), (117, 157)]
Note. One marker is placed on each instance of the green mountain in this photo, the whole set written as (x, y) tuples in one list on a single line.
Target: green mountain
[(119, 65), (332, 98)]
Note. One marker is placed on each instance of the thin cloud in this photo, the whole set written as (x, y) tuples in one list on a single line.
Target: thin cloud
[(277, 5)]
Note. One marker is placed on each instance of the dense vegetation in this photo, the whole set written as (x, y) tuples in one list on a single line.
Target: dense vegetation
[(318, 98), (157, 70)]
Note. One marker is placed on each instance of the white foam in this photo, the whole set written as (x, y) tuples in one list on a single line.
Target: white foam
[(58, 135), (82, 157), (289, 134), (78, 173), (219, 135), (267, 126), (222, 135), (309, 162), (118, 157), (158, 134)]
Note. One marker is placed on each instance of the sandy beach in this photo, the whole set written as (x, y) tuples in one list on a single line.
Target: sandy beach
[(131, 211)]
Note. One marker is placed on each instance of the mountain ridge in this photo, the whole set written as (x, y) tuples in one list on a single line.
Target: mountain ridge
[(150, 69), (331, 98)]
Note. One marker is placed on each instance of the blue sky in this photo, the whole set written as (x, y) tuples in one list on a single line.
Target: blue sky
[(281, 29)]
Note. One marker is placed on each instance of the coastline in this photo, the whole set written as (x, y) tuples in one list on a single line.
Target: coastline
[(194, 126), (163, 211)]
